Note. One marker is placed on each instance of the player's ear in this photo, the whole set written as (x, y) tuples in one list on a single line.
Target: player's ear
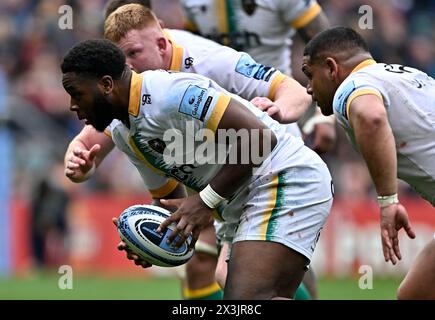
[(105, 84), (162, 43), (332, 67)]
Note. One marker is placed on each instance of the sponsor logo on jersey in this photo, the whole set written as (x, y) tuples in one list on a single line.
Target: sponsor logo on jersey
[(251, 69), (188, 62), (157, 145), (182, 172), (146, 99), (193, 102), (206, 106)]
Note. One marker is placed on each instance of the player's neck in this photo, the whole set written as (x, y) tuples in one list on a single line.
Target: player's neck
[(353, 61), (168, 56)]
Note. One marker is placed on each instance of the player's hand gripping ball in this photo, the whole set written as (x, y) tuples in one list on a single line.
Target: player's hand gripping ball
[(137, 228)]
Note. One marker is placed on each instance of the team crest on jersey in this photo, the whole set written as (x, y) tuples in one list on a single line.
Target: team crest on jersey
[(157, 145), (249, 6)]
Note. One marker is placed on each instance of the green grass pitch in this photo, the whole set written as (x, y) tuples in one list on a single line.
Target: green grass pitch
[(89, 287)]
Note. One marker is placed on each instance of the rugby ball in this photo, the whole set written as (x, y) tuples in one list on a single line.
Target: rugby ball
[(137, 228)]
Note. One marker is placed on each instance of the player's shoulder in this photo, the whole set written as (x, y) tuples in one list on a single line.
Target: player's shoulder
[(152, 77), (187, 38), (364, 75), (378, 75), (164, 84), (200, 49), (358, 82), (385, 70)]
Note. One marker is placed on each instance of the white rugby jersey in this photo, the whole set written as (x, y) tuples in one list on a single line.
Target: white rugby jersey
[(161, 102), (409, 98), (262, 28), (235, 71)]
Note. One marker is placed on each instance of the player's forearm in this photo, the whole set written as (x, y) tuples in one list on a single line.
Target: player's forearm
[(235, 171), (376, 143), (87, 138), (292, 99), (231, 176), (317, 25)]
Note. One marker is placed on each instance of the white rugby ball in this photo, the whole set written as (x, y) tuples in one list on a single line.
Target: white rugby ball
[(137, 228)]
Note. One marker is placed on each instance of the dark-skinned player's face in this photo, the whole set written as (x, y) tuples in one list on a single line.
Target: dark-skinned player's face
[(88, 101), (319, 84)]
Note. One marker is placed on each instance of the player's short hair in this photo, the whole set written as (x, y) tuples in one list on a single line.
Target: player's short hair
[(126, 18), (95, 58), (334, 40), (112, 5)]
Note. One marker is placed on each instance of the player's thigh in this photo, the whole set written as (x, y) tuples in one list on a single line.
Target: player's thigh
[(419, 283), (222, 265), (208, 236), (310, 283), (199, 281), (200, 269), (263, 270), (205, 247)]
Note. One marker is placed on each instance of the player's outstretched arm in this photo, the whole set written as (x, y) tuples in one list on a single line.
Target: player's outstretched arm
[(374, 137), (85, 152), (289, 104)]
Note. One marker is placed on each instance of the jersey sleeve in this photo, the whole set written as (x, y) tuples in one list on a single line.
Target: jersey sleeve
[(166, 186), (109, 129), (192, 98), (240, 74), (108, 132), (348, 91), (155, 182), (208, 107), (299, 13)]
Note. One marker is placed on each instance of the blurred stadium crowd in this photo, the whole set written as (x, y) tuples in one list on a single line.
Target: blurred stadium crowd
[(34, 106)]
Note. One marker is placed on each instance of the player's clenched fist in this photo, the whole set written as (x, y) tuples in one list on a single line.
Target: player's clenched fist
[(80, 163)]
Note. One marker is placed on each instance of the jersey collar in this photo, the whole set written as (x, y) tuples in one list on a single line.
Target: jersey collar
[(177, 54), (363, 64), (135, 90)]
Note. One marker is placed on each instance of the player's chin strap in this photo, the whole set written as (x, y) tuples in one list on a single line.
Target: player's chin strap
[(318, 118)]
